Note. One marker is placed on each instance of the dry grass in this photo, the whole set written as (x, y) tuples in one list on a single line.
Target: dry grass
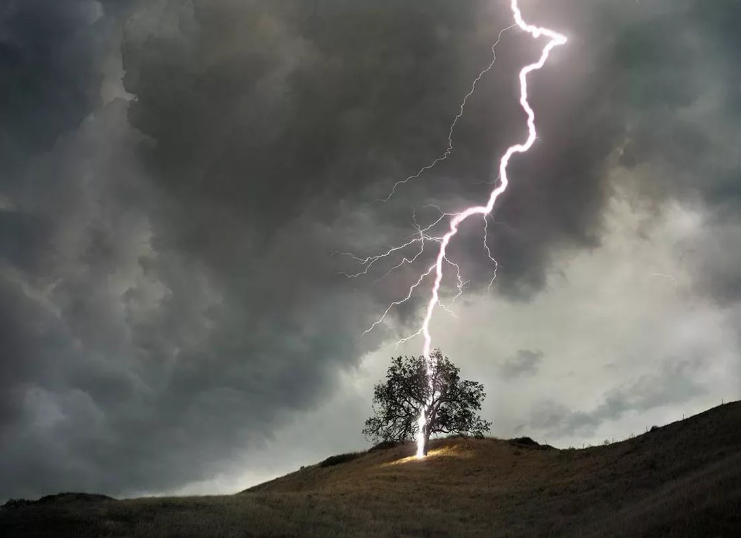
[(682, 480)]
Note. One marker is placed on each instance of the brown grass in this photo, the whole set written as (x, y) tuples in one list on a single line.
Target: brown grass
[(682, 480)]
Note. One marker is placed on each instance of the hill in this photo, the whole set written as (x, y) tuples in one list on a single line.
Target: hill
[(681, 480)]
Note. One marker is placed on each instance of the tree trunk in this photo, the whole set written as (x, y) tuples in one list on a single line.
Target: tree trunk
[(427, 440)]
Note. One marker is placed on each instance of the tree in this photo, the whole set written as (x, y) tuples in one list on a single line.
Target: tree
[(449, 403)]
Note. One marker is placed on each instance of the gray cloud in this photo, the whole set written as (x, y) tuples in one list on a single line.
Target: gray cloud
[(674, 384), (168, 292), (524, 363), (49, 53)]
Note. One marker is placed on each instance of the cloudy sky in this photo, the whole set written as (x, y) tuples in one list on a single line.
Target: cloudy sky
[(178, 176)]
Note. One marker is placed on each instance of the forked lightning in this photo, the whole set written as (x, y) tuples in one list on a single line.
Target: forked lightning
[(424, 236)]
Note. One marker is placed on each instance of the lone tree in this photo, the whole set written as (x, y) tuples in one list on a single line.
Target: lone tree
[(449, 403)]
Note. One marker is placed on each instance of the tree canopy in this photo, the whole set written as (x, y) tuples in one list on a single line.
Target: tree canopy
[(449, 403)]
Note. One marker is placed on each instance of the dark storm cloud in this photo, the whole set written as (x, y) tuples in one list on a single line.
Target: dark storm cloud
[(48, 54), (48, 84), (679, 95), (314, 103), (524, 363), (168, 291)]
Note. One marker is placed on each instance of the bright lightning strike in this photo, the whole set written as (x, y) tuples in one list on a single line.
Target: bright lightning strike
[(424, 236)]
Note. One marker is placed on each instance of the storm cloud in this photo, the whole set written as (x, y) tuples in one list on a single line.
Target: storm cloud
[(177, 178), (524, 363), (674, 384)]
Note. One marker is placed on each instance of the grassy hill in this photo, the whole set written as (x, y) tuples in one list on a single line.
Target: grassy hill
[(681, 480)]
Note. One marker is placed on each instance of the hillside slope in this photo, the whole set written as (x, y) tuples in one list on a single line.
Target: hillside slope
[(681, 480)]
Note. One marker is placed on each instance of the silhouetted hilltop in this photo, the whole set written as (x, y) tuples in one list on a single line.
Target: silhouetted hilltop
[(679, 480)]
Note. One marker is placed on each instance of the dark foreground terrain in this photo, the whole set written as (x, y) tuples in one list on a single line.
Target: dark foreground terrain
[(681, 480)]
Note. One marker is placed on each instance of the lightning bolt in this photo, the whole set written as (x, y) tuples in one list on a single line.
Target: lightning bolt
[(668, 277), (555, 40), (449, 149), (424, 235)]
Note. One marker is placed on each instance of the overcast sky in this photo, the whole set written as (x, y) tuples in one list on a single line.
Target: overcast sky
[(177, 177)]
